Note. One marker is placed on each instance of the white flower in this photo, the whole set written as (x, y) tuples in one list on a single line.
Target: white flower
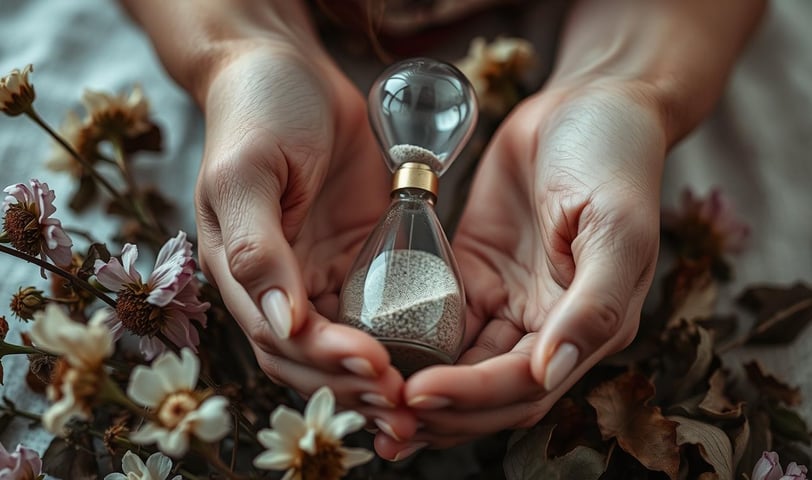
[(29, 225), (16, 92), (168, 388), (166, 302), (157, 467), (78, 374), (310, 446)]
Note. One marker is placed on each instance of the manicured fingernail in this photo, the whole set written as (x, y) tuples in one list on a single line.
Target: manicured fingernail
[(409, 451), (377, 400), (560, 365), (387, 429), (276, 308), (359, 366), (429, 402)]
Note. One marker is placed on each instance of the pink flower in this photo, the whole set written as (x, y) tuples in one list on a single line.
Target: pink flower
[(795, 472), (23, 464), (166, 303), (767, 467), (29, 225)]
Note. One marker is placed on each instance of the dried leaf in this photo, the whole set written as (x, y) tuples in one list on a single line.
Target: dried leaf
[(715, 404), (703, 357), (96, 251), (770, 386), (525, 448), (760, 440), (695, 300), (713, 444), (641, 430), (781, 312), (84, 196), (65, 460), (582, 463), (149, 141), (789, 424), (740, 438)]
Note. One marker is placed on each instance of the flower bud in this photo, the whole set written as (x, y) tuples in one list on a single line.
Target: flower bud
[(767, 468), (16, 92), (26, 302), (3, 327)]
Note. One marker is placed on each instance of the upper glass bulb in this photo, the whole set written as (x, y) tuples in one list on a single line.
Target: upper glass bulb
[(422, 110)]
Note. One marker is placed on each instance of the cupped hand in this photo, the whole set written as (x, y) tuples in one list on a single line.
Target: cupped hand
[(557, 248), (291, 183)]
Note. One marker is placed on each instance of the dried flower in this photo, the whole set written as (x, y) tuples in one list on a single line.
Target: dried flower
[(26, 302), (158, 466), (16, 92), (3, 327), (795, 472), (767, 467), (85, 138), (166, 303), (118, 116), (23, 464), (78, 374), (75, 297), (29, 225), (310, 446), (706, 227), (168, 388), (496, 69)]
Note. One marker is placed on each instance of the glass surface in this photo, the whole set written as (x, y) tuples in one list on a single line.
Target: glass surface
[(405, 289), (422, 103)]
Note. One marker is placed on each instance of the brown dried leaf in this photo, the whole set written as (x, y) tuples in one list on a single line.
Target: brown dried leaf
[(716, 404), (760, 440), (65, 460), (713, 444), (703, 358), (770, 386), (641, 430), (96, 251), (781, 312), (149, 141), (740, 438), (84, 196), (696, 299)]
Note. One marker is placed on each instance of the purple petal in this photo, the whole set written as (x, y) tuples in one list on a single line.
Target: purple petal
[(112, 274), (177, 246), (180, 331), (151, 347), (44, 198)]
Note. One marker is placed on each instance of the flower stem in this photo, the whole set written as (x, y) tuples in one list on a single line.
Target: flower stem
[(111, 392), (33, 115), (12, 349), (215, 461), (12, 410), (62, 273)]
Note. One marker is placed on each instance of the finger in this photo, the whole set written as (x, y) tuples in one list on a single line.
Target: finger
[(600, 311), (499, 336), (499, 381), (327, 346)]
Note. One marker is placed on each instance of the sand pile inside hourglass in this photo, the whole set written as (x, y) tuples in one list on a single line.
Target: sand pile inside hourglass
[(406, 299)]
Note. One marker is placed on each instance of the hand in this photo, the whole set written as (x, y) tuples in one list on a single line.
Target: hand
[(557, 248), (290, 185)]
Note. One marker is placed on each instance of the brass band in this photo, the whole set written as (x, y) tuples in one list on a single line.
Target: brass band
[(415, 175)]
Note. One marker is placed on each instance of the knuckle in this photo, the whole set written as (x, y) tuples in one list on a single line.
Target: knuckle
[(609, 317), (247, 258)]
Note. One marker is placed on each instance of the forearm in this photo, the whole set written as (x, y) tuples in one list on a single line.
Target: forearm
[(679, 52), (194, 37)]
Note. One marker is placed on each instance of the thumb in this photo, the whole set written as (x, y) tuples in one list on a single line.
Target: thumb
[(600, 311), (259, 255)]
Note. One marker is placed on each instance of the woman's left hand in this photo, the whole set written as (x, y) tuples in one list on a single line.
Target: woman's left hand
[(557, 248)]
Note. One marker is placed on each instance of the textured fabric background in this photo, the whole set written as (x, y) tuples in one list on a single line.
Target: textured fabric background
[(756, 146)]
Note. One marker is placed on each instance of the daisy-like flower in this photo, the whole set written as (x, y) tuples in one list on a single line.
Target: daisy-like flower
[(157, 467), (119, 116), (16, 92), (29, 225), (79, 372), (168, 389), (495, 70), (166, 302), (310, 447), (22, 464)]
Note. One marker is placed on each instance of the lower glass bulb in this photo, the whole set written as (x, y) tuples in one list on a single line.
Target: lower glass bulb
[(405, 289)]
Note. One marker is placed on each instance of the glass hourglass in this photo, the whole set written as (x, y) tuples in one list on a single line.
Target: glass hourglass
[(404, 287)]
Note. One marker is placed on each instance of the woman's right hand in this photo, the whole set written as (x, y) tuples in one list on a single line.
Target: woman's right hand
[(290, 185)]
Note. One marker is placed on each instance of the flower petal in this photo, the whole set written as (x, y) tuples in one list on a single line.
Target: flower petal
[(308, 442), (274, 460), (352, 457), (149, 433), (112, 274), (159, 465), (288, 422), (174, 443), (320, 408), (344, 423), (132, 463), (211, 419), (147, 387)]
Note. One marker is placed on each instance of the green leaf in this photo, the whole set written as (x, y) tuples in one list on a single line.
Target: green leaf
[(525, 449), (788, 424), (713, 444)]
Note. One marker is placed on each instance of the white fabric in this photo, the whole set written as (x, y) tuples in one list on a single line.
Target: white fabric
[(756, 146)]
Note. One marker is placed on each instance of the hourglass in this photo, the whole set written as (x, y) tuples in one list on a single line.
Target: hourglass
[(404, 288)]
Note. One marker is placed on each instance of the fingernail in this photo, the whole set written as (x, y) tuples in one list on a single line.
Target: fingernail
[(359, 366), (276, 308), (387, 429), (560, 365), (372, 430), (377, 400), (409, 451), (429, 402)]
